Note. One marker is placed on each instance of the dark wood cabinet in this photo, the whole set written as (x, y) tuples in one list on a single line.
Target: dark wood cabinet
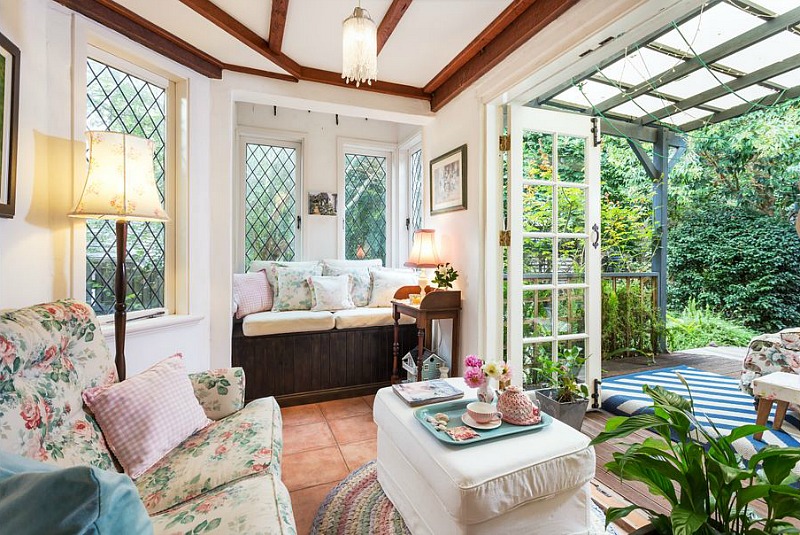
[(309, 367)]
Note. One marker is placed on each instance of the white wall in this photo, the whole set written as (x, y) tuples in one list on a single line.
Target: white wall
[(460, 233), (319, 133), (41, 249)]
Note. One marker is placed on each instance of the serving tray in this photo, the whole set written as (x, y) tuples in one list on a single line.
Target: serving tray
[(454, 410)]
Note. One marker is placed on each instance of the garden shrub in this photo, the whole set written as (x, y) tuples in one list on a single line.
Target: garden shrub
[(740, 263), (631, 322), (699, 327)]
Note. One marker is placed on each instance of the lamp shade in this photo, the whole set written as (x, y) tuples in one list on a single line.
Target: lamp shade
[(359, 48), (423, 252), (120, 182)]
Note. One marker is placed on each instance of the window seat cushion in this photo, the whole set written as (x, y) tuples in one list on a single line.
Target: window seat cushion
[(367, 317), (291, 321)]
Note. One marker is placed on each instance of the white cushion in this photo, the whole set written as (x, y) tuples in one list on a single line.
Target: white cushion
[(349, 264), (483, 481), (269, 268), (264, 323), (331, 293), (385, 284), (367, 317)]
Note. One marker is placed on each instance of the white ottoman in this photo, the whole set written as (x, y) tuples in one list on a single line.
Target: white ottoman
[(530, 483)]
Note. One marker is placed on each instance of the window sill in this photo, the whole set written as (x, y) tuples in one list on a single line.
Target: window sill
[(150, 325)]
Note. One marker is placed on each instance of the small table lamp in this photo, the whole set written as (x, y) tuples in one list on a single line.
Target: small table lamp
[(120, 185), (423, 255)]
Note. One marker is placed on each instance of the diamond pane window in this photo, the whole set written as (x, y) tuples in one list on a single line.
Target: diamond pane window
[(120, 102), (416, 191), (365, 206), (270, 202)]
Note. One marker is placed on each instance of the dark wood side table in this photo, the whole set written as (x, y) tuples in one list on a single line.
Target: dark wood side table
[(436, 305)]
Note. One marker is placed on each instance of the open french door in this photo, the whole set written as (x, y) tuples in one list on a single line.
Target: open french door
[(554, 271)]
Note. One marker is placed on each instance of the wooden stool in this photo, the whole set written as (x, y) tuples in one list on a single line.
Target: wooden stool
[(780, 387)]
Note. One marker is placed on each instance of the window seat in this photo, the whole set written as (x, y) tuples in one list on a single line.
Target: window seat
[(306, 357)]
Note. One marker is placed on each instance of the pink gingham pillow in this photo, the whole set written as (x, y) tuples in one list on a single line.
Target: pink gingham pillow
[(251, 293), (147, 415)]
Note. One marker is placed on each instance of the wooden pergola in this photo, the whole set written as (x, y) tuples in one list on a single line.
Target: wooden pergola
[(720, 61)]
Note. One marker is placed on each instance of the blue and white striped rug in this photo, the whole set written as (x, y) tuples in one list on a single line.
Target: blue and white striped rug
[(716, 397)]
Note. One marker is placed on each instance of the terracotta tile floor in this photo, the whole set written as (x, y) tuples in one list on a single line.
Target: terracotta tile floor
[(323, 442)]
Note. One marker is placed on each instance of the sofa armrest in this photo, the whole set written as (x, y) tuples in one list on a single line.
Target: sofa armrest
[(220, 392)]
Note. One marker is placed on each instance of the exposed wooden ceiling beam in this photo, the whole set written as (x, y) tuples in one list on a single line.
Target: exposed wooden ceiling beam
[(514, 10), (223, 20), (390, 20), (144, 32), (259, 72), (527, 24), (277, 24), (387, 88)]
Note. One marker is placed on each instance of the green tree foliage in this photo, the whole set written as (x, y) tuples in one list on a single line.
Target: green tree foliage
[(698, 327), (739, 262), (365, 206)]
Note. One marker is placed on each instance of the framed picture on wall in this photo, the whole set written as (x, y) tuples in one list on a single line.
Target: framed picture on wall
[(9, 115), (448, 176)]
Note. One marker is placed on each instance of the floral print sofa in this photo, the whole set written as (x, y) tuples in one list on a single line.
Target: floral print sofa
[(223, 479), (769, 353)]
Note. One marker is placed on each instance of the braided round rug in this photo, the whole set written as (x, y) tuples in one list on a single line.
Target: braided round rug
[(358, 506)]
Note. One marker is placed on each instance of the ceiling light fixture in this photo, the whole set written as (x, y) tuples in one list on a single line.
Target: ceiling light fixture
[(359, 48)]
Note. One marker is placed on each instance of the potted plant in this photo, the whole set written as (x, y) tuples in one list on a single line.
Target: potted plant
[(708, 486), (445, 276), (565, 397)]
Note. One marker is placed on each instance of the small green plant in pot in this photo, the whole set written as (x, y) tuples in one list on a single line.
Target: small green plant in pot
[(445, 276), (565, 397), (710, 489)]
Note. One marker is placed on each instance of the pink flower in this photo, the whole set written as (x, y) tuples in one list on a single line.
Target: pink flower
[(8, 351), (474, 377), (31, 414), (260, 467), (473, 361), (82, 428), (506, 372), (49, 355), (152, 500), (80, 311), (56, 311), (205, 507), (221, 450), (264, 452)]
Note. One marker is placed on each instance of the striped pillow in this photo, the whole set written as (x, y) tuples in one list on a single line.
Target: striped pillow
[(251, 293), (147, 415)]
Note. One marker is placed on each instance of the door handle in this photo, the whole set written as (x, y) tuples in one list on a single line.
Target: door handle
[(596, 230)]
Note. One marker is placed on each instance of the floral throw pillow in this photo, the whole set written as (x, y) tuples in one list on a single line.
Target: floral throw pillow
[(361, 282), (293, 291), (385, 283), (331, 293)]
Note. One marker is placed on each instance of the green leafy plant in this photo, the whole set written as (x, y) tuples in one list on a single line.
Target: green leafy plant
[(631, 320), (445, 276), (700, 326), (708, 486), (738, 262), (562, 374)]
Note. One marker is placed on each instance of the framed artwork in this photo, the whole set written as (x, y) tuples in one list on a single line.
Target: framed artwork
[(9, 117), (448, 175), (322, 203)]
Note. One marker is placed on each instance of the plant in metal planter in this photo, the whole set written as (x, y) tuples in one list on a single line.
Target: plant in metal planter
[(566, 398), (709, 487)]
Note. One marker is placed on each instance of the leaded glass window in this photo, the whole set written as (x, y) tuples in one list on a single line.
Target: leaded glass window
[(365, 205), (270, 202), (415, 201), (118, 101)]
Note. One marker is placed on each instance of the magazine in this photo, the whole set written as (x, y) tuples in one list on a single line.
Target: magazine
[(425, 392)]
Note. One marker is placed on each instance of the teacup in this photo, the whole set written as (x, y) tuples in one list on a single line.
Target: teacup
[(482, 412)]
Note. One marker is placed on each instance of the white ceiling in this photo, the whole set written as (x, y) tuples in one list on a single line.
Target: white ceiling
[(430, 34)]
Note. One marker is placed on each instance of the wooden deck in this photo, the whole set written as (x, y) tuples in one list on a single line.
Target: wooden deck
[(608, 489)]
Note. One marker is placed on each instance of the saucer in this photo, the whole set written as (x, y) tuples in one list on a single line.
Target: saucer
[(467, 419)]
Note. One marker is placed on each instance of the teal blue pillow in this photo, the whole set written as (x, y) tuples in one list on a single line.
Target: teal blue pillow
[(39, 498)]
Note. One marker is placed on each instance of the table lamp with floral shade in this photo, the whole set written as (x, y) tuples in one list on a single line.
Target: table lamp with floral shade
[(120, 185), (423, 255)]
